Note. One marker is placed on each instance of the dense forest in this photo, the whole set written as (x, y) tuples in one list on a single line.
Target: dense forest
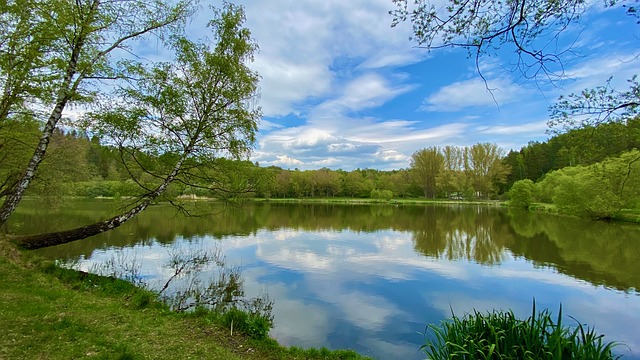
[(80, 165)]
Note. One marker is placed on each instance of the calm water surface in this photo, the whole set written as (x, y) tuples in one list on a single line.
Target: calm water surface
[(370, 277)]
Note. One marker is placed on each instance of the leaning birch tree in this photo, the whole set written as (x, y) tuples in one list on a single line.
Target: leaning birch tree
[(54, 53), (190, 112)]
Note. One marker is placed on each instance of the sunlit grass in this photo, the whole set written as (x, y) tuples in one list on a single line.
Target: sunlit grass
[(500, 335), (49, 312)]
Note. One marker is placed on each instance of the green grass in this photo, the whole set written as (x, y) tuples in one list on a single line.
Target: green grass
[(350, 200), (47, 312), (500, 335), (629, 215)]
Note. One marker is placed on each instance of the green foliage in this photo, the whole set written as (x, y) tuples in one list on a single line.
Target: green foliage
[(477, 171), (17, 139), (252, 325), (583, 146), (385, 195), (603, 104), (522, 193), (426, 164), (49, 53), (500, 335), (586, 194), (597, 191)]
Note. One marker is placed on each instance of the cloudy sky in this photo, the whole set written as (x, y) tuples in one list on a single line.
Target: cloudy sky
[(343, 89)]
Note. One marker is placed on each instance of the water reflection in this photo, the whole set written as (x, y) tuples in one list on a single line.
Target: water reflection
[(370, 277), (601, 253)]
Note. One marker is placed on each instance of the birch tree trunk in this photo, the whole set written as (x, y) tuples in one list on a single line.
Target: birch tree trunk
[(88, 24), (32, 242)]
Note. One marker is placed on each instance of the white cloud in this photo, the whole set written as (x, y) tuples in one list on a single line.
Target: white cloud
[(285, 84), (473, 92), (532, 127), (300, 42), (364, 92), (391, 156), (286, 162)]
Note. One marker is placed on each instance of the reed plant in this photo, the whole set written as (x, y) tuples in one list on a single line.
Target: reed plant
[(500, 335)]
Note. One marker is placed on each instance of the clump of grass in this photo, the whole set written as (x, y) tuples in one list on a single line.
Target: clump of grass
[(500, 335)]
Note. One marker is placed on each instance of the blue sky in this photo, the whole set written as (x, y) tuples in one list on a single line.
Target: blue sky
[(342, 89)]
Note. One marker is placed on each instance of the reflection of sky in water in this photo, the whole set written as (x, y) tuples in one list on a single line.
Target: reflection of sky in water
[(372, 292)]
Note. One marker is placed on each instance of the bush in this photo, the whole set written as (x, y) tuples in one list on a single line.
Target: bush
[(500, 335), (587, 195), (252, 325), (386, 195), (522, 193)]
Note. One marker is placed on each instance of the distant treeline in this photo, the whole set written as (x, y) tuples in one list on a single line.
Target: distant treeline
[(82, 166), (584, 146)]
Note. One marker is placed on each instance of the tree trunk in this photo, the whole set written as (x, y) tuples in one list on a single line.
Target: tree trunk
[(64, 94), (32, 242), (16, 193)]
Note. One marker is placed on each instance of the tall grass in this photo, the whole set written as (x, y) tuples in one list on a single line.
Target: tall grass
[(500, 335)]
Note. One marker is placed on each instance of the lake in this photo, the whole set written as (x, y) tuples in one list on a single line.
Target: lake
[(370, 277)]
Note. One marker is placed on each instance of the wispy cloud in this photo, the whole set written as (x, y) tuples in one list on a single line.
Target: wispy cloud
[(471, 93), (532, 127)]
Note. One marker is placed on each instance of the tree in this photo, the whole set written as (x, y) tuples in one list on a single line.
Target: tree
[(522, 193), (599, 190), (426, 164), (17, 139), (450, 178), (353, 182), (486, 167), (192, 111), (592, 107), (532, 31), (53, 51), (483, 27)]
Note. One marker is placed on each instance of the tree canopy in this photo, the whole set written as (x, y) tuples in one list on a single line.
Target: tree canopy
[(184, 114), (54, 52), (532, 31)]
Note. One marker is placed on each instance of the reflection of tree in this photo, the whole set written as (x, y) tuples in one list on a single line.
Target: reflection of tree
[(462, 233), (599, 252)]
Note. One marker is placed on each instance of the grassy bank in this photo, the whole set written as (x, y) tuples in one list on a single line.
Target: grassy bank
[(51, 313)]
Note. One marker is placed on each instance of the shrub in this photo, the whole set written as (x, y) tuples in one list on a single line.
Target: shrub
[(252, 325), (521, 193), (386, 195), (588, 195), (500, 335)]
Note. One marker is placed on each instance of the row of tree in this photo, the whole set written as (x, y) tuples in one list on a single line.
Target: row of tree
[(475, 171), (597, 191), (583, 146), (78, 165), (170, 123)]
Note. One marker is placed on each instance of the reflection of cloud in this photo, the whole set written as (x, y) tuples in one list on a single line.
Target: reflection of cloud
[(312, 325), (363, 310), (391, 257), (538, 276), (390, 350), (297, 260), (402, 268), (372, 283)]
